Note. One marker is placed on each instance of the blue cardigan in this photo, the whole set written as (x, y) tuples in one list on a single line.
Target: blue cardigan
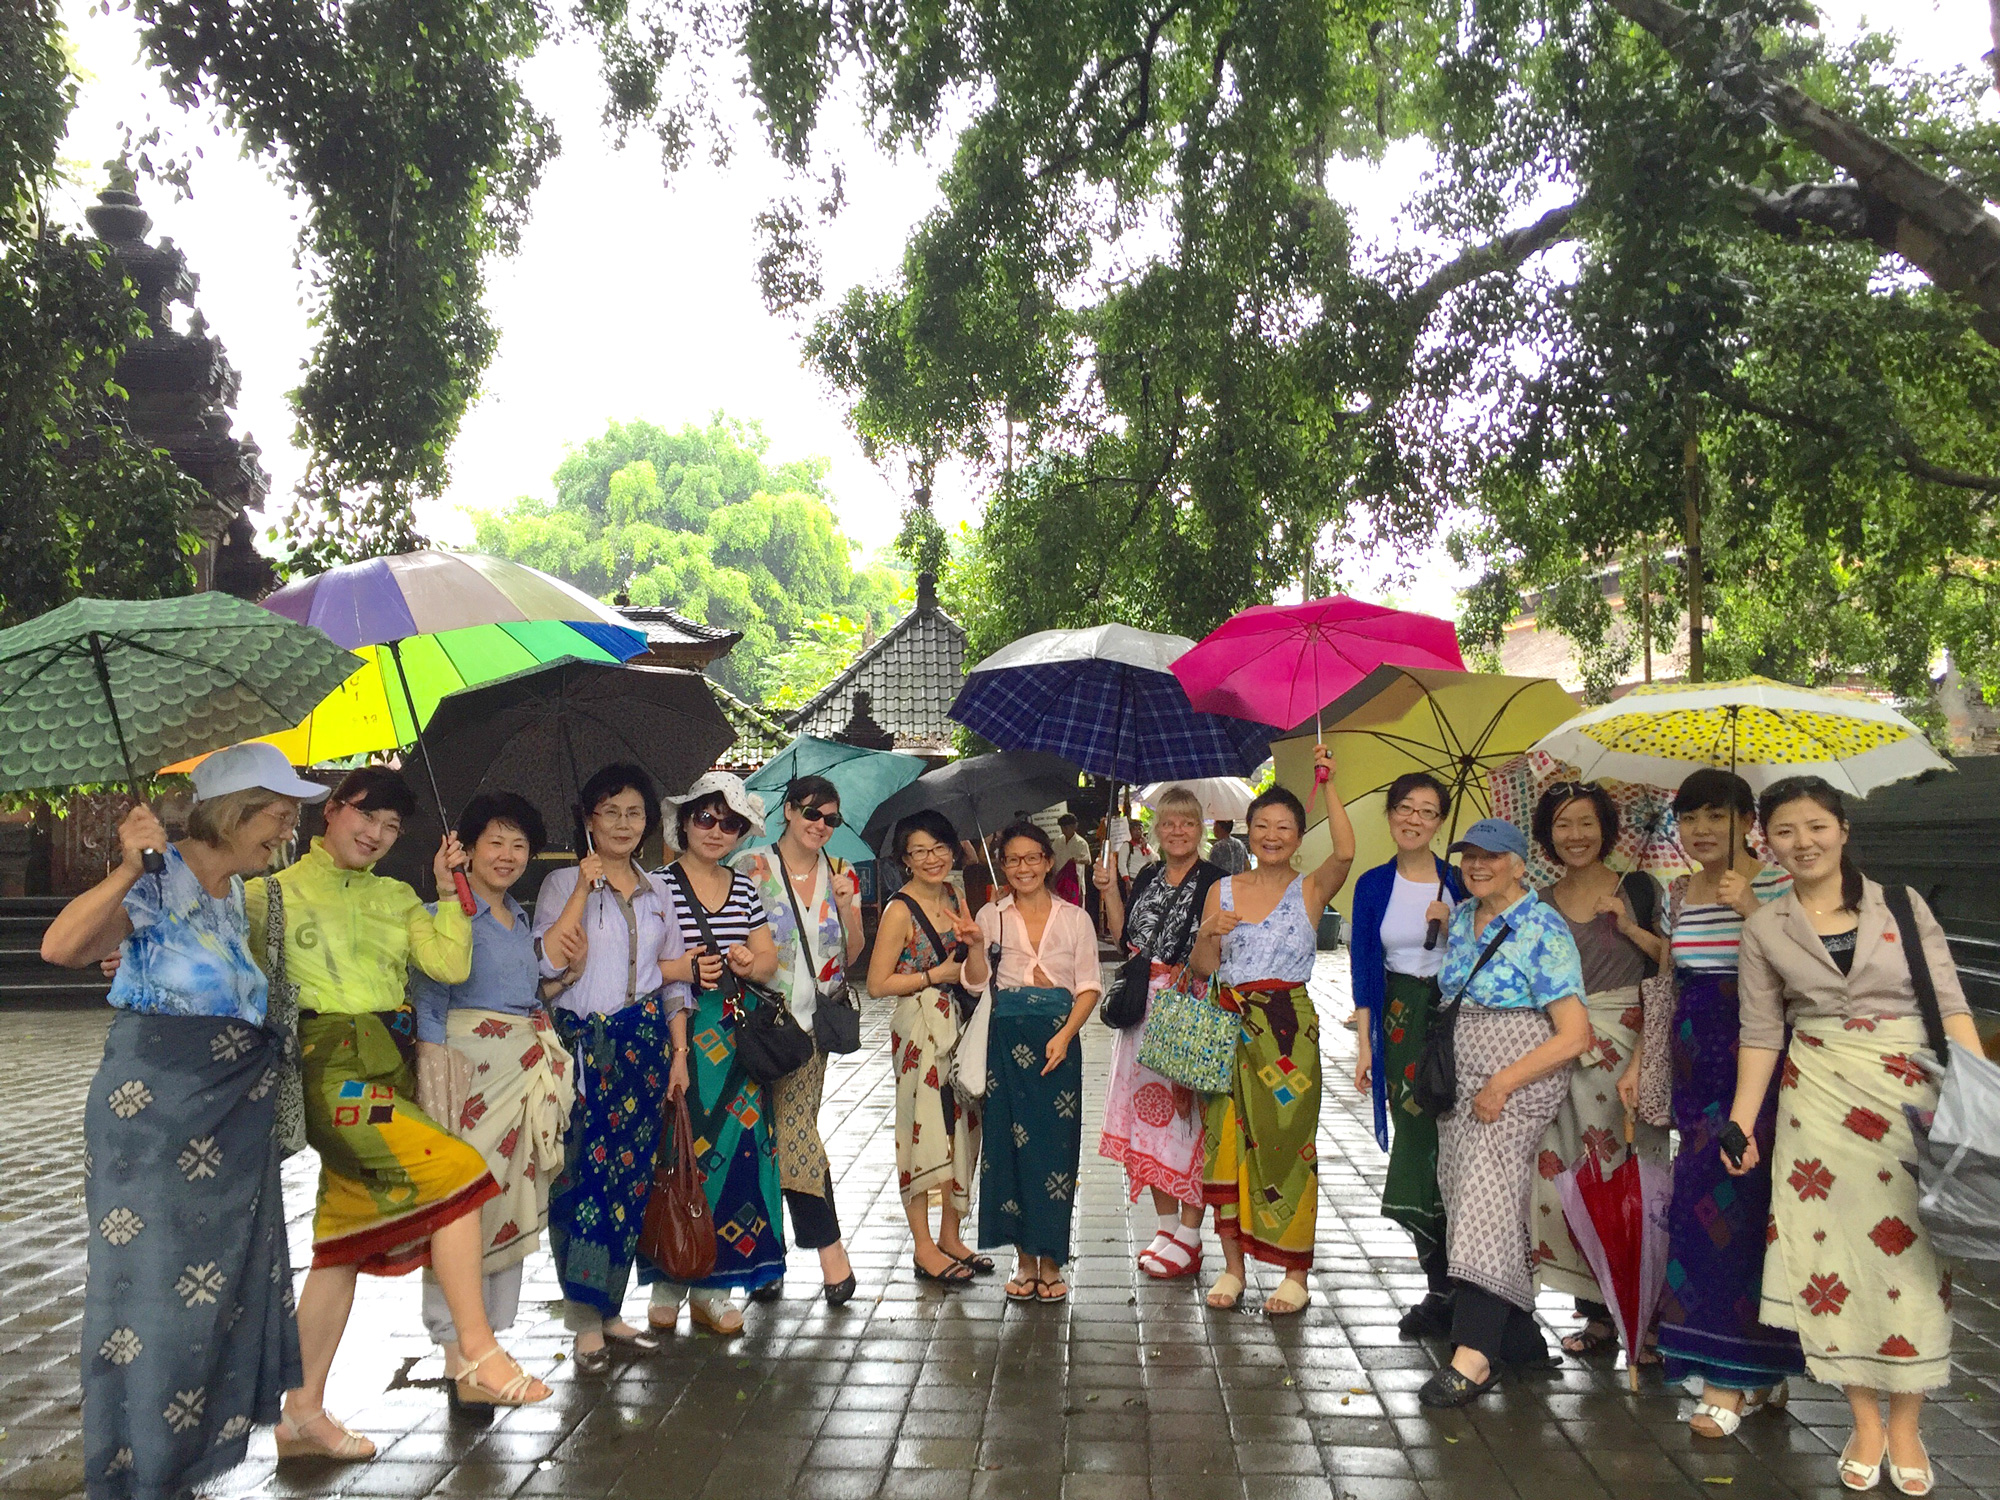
[(1370, 969)]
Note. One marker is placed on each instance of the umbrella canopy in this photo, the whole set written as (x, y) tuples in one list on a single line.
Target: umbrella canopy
[(543, 732), (1457, 726), (1649, 836), (1282, 664), (107, 689), (1619, 1222), (1107, 699), (1221, 796), (864, 779), (1762, 730), (980, 794)]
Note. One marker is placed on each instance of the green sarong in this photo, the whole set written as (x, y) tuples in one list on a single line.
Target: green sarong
[(1410, 1196)]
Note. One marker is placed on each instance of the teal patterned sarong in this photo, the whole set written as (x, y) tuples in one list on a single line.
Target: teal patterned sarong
[(1033, 1126)]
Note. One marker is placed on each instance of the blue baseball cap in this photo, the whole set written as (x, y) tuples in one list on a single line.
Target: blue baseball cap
[(1494, 836)]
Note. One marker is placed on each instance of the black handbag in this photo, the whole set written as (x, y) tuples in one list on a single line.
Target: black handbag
[(770, 1043), (1435, 1083), (836, 1016), (1125, 1006)]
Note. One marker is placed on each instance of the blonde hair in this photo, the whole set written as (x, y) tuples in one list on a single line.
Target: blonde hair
[(1177, 802), (216, 820)]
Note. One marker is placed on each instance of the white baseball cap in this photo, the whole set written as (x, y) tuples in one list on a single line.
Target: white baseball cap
[(252, 764)]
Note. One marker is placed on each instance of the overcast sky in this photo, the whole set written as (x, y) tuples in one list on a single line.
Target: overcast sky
[(631, 297)]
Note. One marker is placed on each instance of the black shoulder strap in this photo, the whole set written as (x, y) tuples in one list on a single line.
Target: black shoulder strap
[(923, 921), (695, 908), (1492, 947), (1898, 899), (805, 942), (1644, 895)]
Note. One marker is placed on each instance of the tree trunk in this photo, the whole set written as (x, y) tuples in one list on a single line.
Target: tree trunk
[(1646, 599), (1940, 228), (1691, 529)]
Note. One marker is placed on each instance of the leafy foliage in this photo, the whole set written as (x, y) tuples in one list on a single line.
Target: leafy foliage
[(88, 508), (699, 521)]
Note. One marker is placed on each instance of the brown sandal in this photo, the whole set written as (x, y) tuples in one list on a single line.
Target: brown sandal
[(1043, 1292)]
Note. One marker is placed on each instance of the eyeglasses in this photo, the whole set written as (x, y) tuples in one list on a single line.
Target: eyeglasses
[(617, 815), (1021, 861), (819, 815), (927, 851), (1414, 810), (729, 823)]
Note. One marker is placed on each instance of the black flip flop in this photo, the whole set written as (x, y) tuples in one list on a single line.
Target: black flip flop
[(957, 1274), (982, 1265)]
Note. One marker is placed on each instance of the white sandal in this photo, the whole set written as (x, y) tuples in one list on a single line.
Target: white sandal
[(295, 1442), (473, 1391), (1913, 1481), (1855, 1475), (1725, 1420)]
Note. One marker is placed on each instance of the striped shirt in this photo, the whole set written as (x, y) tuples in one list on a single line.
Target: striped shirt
[(742, 911), (1705, 937)]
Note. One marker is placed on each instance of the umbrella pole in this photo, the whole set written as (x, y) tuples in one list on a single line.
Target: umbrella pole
[(458, 881), (151, 859)]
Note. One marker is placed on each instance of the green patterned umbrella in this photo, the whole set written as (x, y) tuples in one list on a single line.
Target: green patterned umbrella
[(110, 689)]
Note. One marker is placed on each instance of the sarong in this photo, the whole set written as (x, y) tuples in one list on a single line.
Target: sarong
[(1033, 1126), (1486, 1173), (937, 1139), (1260, 1163), (730, 1113), (1851, 1268), (1152, 1125), (188, 1336), (515, 1116), (389, 1174), (1716, 1225), (795, 1101), (1410, 1195), (1590, 1122)]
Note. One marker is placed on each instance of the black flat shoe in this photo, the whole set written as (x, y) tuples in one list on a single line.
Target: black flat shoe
[(770, 1291), (595, 1362), (1448, 1389), (958, 1273), (981, 1265), (838, 1292), (1429, 1319), (471, 1413)]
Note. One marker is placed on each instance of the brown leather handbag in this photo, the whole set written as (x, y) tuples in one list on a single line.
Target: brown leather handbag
[(678, 1233)]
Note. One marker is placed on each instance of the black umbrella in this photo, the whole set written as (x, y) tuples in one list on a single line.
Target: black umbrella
[(543, 731), (981, 793)]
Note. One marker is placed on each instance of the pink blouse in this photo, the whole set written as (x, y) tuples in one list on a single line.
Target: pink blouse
[(1068, 954)]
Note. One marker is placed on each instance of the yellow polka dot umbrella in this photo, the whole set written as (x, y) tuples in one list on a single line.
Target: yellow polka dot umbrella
[(1762, 730)]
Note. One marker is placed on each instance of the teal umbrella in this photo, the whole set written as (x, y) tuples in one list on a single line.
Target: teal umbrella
[(103, 690), (865, 778)]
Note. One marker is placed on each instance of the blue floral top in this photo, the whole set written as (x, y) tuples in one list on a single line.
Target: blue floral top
[(1533, 968), (188, 954)]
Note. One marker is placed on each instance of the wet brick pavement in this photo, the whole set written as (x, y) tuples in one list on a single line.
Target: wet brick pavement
[(1134, 1391)]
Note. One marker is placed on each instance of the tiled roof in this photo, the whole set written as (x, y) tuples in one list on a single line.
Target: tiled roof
[(677, 640), (911, 676), (759, 736)]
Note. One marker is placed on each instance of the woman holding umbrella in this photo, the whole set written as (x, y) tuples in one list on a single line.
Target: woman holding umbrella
[(1709, 1324), (180, 1129), (611, 948), (814, 903), (1850, 1267), (1610, 920), (1396, 953), (396, 1190), (1259, 1165), (727, 933)]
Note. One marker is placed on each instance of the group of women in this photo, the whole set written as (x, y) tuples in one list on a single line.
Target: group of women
[(471, 1080), (1767, 1014)]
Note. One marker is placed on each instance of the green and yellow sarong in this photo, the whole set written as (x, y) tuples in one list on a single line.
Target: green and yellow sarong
[(1260, 1167), (390, 1177), (1410, 1195)]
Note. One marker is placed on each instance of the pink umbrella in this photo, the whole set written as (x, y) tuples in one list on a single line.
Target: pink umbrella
[(1282, 664), (1619, 1222), (1648, 833)]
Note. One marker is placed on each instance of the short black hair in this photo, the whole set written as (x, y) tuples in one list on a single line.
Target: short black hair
[(926, 820), (1069, 818), (1033, 832), (377, 789), (619, 776), (685, 811), (1408, 782), (1559, 796), (502, 807), (1277, 796), (812, 791), (1712, 786)]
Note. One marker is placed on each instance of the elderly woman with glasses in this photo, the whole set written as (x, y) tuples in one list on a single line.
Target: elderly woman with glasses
[(1396, 950), (1513, 968)]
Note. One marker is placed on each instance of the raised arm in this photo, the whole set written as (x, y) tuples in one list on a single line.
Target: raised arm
[(1323, 883), (92, 926)]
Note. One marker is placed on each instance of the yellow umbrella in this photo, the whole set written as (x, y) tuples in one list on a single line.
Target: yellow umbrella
[(1458, 726)]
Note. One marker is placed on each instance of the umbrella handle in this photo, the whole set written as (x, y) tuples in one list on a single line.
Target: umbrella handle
[(464, 888)]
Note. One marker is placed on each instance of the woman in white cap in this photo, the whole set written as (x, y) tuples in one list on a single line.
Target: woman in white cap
[(188, 1331), (1512, 967), (727, 934)]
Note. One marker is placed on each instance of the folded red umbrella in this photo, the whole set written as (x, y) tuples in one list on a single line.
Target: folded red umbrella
[(1619, 1222)]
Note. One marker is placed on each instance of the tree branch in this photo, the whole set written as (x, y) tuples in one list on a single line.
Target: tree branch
[(1508, 252), (1938, 227), (1903, 452)]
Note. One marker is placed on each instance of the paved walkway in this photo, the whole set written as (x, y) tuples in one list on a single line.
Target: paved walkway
[(1134, 1391)]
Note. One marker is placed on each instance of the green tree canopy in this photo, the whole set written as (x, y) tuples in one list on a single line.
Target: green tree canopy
[(702, 522)]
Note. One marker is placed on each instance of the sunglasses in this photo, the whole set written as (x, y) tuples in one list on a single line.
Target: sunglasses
[(816, 815), (729, 823)]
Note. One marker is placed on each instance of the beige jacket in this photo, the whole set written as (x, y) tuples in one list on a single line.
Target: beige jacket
[(1784, 971)]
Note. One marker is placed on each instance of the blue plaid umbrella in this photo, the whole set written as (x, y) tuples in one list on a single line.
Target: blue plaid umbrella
[(1107, 699)]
